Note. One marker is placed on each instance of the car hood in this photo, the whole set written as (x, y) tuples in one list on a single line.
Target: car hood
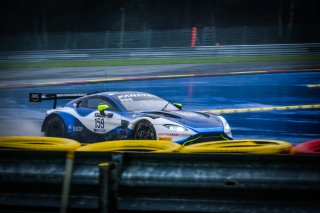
[(189, 119)]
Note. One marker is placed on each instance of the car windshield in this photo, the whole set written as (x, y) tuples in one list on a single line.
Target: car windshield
[(133, 102)]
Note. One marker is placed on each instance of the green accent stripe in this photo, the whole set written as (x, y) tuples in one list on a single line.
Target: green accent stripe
[(191, 140), (224, 137)]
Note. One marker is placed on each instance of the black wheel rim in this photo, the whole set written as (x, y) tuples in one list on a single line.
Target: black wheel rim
[(145, 132)]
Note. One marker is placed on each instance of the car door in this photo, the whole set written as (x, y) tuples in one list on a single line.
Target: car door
[(98, 123)]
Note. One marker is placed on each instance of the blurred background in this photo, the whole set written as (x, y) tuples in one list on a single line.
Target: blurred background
[(90, 24)]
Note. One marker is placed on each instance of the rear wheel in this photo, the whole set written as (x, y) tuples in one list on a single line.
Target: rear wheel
[(144, 130), (55, 128)]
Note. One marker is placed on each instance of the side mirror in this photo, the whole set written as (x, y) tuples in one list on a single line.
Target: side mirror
[(178, 105), (102, 108)]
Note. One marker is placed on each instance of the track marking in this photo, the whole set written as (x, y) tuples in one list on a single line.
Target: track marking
[(248, 72), (313, 85), (257, 109)]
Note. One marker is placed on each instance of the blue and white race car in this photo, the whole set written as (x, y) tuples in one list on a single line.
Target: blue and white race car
[(128, 115)]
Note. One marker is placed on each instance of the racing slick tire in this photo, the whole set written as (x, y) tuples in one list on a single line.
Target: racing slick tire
[(144, 130), (55, 128)]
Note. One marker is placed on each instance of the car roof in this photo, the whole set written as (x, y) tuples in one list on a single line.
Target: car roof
[(113, 94)]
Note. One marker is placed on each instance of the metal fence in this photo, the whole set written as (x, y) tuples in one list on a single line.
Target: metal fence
[(141, 53), (207, 36)]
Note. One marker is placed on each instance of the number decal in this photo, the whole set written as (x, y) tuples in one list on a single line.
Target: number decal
[(99, 123)]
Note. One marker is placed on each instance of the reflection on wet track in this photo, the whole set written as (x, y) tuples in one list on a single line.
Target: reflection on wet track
[(18, 117)]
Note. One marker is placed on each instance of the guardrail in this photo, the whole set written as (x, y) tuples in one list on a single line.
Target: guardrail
[(107, 182), (140, 53)]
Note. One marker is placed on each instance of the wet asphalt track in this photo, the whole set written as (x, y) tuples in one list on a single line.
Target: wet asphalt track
[(18, 117)]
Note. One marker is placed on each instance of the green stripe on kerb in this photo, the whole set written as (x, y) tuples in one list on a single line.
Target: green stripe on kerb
[(259, 109)]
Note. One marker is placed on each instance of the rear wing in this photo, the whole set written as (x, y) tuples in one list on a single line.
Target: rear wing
[(39, 97)]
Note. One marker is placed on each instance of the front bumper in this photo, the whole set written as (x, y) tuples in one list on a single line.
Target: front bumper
[(205, 137)]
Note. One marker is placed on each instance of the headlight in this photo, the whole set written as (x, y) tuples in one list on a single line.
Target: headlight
[(226, 126), (175, 128)]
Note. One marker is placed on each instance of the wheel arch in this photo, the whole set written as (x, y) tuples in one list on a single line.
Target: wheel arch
[(46, 120), (141, 120)]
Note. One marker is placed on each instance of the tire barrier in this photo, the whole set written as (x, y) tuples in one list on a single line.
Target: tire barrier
[(132, 145), (251, 146), (39, 143), (309, 147)]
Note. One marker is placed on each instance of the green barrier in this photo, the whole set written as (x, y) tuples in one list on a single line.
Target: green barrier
[(39, 143)]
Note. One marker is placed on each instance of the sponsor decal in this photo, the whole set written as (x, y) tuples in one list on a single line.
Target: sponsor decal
[(75, 128), (189, 114), (165, 139), (126, 100), (134, 95), (168, 134), (99, 115), (99, 130), (35, 97)]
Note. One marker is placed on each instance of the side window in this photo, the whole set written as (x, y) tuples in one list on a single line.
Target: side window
[(80, 103), (93, 103)]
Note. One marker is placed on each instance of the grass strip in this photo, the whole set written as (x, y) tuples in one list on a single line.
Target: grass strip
[(162, 61)]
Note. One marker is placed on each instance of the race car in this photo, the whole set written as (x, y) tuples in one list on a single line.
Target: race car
[(134, 115)]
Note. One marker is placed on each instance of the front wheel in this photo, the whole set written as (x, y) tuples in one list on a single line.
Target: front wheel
[(144, 130), (55, 128)]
